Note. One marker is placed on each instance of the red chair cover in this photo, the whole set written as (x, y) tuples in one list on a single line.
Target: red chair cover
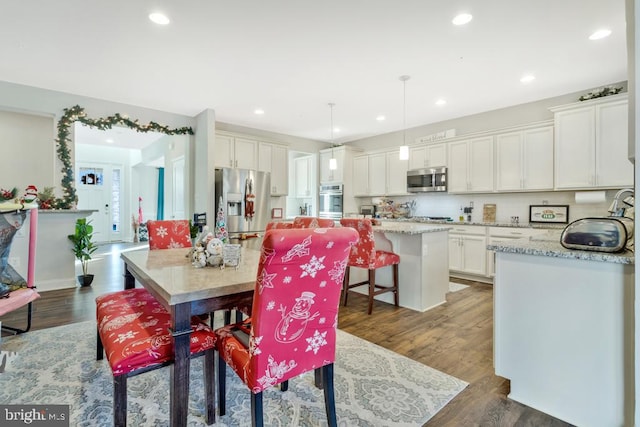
[(167, 234), (295, 307), (312, 222), (364, 253), (134, 330), (279, 225)]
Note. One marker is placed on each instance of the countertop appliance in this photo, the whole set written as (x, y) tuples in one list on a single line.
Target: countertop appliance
[(606, 234), (368, 211), (244, 195), (427, 180), (331, 201)]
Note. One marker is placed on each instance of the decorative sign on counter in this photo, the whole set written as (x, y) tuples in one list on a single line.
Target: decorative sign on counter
[(549, 213), (489, 213)]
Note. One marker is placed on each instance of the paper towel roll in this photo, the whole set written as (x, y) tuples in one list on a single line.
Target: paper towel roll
[(590, 197)]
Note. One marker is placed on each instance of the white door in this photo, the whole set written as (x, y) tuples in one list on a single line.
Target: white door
[(99, 188)]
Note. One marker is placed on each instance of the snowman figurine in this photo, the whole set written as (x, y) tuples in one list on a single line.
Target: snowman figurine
[(199, 256), (30, 195)]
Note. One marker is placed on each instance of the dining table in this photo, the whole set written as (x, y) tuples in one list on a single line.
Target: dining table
[(186, 290)]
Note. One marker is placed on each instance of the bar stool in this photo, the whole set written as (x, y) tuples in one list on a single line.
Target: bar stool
[(364, 255)]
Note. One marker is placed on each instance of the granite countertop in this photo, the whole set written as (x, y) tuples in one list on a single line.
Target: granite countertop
[(550, 246), (422, 220), (409, 227)]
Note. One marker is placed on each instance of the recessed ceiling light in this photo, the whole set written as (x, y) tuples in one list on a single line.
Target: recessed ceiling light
[(336, 130), (109, 140), (381, 118), (600, 34), (527, 78), (440, 102), (461, 19), (159, 18), (259, 111)]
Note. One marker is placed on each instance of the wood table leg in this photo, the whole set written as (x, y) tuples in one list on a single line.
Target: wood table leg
[(179, 387), (129, 280)]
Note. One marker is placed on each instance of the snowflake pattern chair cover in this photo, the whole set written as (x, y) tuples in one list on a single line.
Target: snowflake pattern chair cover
[(279, 225), (295, 314), (168, 234), (312, 222), (364, 255)]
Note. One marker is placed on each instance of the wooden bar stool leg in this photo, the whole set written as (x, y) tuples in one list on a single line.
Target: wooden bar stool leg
[(396, 285), (372, 288), (345, 286)]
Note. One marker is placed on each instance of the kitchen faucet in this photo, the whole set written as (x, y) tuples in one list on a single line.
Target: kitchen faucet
[(616, 211)]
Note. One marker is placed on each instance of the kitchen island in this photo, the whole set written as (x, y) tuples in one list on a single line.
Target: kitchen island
[(563, 330), (424, 263)]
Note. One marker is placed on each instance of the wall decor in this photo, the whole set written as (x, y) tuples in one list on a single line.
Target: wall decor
[(276, 213), (549, 213)]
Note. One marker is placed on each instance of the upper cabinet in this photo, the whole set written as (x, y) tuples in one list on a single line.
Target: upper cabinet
[(273, 158), (304, 180), (471, 165), (328, 175), (396, 174), (591, 144), (235, 152), (524, 160), (425, 156), (380, 174)]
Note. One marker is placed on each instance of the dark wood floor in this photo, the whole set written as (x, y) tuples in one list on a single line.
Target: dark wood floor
[(455, 338)]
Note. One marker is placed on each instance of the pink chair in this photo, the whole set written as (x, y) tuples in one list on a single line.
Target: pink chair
[(365, 255), (167, 234), (292, 329), (312, 222)]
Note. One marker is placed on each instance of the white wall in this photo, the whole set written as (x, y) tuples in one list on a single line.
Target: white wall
[(27, 151)]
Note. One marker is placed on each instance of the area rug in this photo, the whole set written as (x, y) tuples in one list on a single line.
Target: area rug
[(373, 386), (455, 287)]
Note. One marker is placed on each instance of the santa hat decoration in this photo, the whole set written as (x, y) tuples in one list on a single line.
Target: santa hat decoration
[(31, 194)]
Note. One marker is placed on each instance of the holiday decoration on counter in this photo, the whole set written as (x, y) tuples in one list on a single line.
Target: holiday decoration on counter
[(221, 224), (46, 198), (76, 113), (9, 200)]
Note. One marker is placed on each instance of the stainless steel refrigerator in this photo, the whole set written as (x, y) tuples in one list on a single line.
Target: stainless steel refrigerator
[(245, 197)]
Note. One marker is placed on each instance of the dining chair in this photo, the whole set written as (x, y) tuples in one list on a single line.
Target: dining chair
[(133, 330), (312, 222), (364, 255), (278, 225), (292, 328), (167, 234)]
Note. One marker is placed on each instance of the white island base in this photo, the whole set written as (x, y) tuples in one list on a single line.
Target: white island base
[(423, 272), (563, 335)]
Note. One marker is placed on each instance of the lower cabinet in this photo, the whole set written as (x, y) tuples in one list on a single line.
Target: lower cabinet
[(468, 250)]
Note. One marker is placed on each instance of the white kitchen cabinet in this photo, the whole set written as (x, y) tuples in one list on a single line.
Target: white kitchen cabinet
[(361, 176), (468, 250), (524, 160), (471, 165), (328, 175), (496, 235), (235, 152), (424, 156), (274, 158), (591, 144), (303, 176), (396, 174), (378, 174)]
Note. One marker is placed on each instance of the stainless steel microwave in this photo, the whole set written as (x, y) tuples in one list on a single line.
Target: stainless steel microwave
[(427, 180)]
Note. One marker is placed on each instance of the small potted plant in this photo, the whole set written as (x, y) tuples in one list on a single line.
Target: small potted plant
[(83, 247)]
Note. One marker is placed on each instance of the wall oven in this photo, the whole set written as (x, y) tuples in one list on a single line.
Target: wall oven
[(331, 201), (426, 180)]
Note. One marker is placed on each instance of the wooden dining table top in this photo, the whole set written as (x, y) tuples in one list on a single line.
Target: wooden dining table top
[(170, 274)]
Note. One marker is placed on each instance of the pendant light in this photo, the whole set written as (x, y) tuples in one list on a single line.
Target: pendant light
[(404, 148), (333, 163)]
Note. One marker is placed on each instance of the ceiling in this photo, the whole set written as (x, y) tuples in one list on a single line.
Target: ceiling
[(293, 57)]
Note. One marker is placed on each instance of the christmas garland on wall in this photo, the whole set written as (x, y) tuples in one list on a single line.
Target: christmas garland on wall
[(76, 113)]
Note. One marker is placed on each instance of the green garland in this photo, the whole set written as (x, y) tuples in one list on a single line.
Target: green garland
[(76, 113)]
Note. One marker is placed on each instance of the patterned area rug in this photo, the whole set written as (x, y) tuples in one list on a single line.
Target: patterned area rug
[(373, 386), (455, 287)]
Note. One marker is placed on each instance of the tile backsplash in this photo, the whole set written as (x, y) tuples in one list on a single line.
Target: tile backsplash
[(507, 204)]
